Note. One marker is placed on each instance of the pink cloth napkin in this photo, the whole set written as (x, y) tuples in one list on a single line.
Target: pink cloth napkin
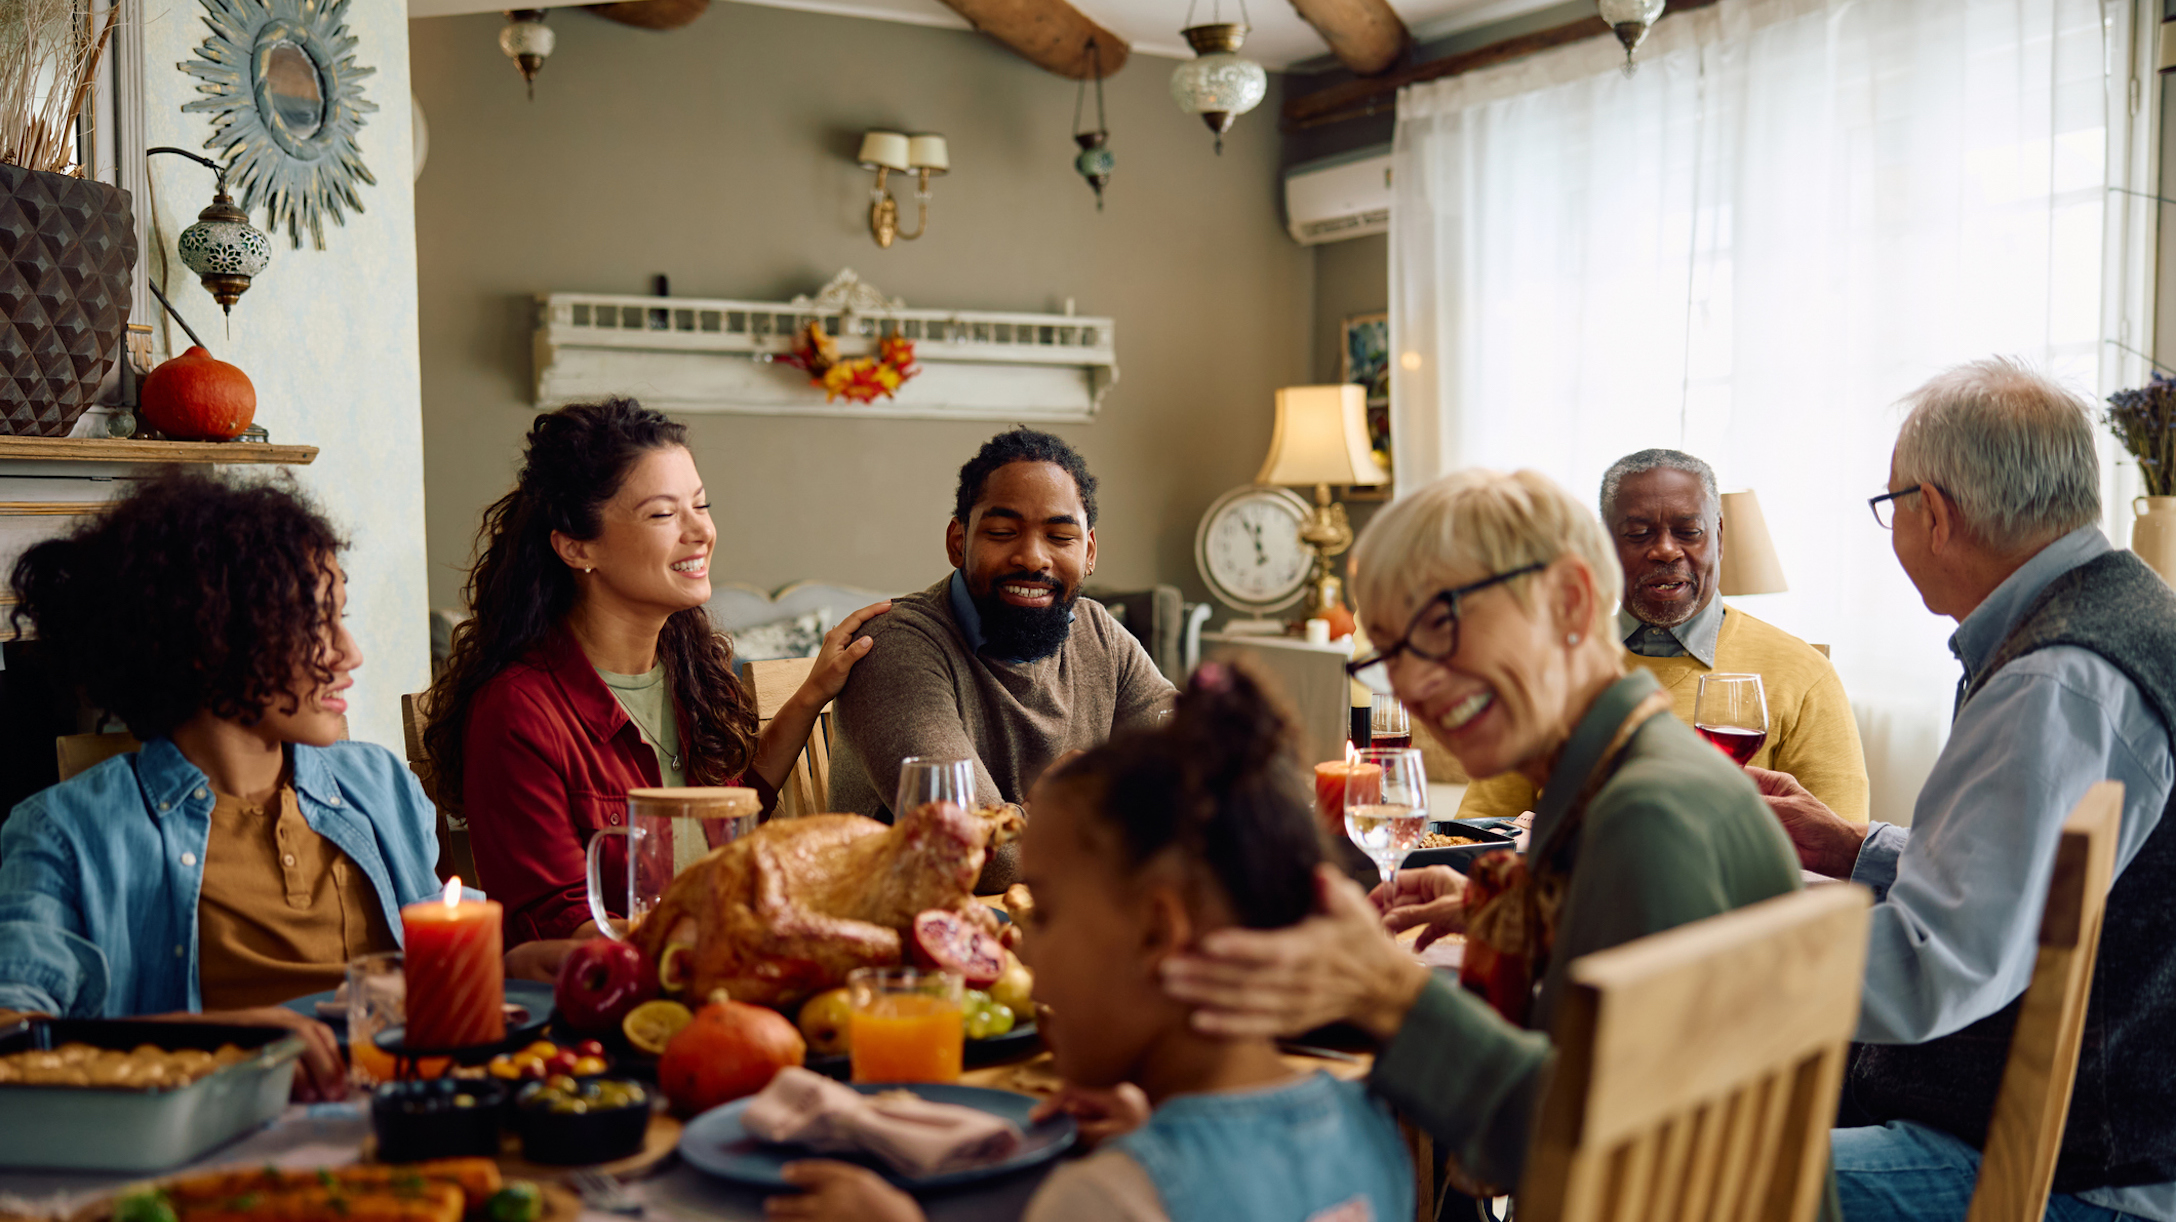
[(912, 1135)]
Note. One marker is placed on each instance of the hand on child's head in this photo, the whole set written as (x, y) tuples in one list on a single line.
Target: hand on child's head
[(842, 1191)]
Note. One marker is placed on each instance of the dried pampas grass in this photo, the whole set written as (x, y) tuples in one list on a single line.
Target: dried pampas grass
[(49, 53)]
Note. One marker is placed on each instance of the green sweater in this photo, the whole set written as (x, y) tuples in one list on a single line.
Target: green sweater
[(1678, 833)]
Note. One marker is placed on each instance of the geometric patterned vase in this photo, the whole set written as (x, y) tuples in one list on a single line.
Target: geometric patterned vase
[(67, 252)]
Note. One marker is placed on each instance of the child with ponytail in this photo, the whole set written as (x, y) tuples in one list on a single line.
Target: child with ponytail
[(1137, 849)]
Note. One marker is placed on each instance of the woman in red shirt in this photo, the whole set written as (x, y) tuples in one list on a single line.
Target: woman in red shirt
[(589, 666)]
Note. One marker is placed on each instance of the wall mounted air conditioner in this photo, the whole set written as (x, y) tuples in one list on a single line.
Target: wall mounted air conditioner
[(1341, 197)]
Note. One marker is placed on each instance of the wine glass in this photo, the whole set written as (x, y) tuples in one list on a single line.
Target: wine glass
[(931, 778), (1388, 725), (1386, 806), (1732, 713)]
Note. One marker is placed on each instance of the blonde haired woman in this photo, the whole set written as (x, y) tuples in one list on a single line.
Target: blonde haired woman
[(1491, 595)]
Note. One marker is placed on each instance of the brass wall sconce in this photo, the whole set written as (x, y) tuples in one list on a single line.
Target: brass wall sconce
[(888, 151)]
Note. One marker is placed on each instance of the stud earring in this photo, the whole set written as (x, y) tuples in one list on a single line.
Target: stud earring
[(589, 570), (1571, 638)]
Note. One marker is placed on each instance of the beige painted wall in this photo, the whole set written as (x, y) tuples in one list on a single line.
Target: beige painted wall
[(1351, 277), (721, 155)]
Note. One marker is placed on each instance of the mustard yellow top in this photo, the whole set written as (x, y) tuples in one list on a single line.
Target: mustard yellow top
[(283, 909), (1811, 733)]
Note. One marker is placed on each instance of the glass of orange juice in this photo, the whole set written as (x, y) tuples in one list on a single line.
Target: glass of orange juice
[(906, 1025), (377, 999)]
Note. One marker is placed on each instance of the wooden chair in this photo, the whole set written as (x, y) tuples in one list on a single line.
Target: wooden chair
[(2026, 1131), (82, 752), (1698, 1069), (807, 790), (454, 854)]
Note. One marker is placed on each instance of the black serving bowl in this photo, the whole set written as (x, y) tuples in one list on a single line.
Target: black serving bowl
[(595, 1135), (1460, 857), (442, 1118)]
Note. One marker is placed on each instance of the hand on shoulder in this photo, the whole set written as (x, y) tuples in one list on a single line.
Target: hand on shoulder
[(840, 650)]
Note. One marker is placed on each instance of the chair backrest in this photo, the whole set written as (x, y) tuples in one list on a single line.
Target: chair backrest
[(454, 854), (81, 752), (1698, 1069), (770, 684), (2017, 1168)]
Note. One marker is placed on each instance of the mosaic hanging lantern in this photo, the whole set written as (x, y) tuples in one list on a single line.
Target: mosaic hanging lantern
[(1095, 161), (1220, 85), (1630, 20), (526, 40)]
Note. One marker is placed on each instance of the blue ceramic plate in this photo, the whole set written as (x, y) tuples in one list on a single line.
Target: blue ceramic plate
[(530, 995), (716, 1143)]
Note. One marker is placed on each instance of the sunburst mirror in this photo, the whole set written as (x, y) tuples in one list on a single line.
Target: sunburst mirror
[(286, 99)]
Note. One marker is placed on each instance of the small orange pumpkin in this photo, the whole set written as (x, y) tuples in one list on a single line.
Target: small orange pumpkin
[(195, 397), (730, 1051)]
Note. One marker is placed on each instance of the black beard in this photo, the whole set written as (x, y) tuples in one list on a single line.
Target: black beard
[(1024, 634)]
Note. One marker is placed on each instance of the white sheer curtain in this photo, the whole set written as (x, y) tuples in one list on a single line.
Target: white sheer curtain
[(1794, 213)]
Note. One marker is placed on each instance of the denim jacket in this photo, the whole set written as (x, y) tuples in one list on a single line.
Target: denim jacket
[(100, 875)]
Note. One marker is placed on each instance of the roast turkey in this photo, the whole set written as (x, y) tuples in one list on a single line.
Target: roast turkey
[(788, 910)]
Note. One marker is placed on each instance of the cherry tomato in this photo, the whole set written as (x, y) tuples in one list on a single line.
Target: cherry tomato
[(588, 1067), (590, 1048)]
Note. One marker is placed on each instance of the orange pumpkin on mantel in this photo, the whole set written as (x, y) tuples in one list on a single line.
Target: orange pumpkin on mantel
[(196, 397)]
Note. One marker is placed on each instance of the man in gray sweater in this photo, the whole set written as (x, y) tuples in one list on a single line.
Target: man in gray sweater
[(1002, 662)]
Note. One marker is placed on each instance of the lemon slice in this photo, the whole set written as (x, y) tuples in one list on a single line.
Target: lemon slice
[(650, 1025)]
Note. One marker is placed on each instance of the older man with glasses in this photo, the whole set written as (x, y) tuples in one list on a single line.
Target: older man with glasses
[(2069, 655)]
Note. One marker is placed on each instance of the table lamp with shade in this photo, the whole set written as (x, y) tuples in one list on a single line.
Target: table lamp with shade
[(1750, 565), (1320, 439)]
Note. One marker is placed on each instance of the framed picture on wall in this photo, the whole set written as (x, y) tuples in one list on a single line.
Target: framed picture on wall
[(1364, 357)]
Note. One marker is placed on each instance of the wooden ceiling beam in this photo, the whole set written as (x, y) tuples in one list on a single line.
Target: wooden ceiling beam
[(1365, 35), (1051, 34), (651, 14), (1358, 99)]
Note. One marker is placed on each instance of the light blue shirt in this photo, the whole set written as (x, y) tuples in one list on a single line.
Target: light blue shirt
[(1956, 925), (100, 874), (1695, 637)]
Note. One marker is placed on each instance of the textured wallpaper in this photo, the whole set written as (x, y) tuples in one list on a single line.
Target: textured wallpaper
[(329, 338)]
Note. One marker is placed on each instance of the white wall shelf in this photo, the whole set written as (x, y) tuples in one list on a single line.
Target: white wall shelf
[(685, 354)]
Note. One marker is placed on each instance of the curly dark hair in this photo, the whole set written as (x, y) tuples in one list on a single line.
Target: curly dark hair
[(193, 591), (1221, 783), (519, 592), (1022, 445)]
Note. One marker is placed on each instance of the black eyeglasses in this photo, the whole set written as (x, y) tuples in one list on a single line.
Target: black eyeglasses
[(1884, 506), (1435, 639)]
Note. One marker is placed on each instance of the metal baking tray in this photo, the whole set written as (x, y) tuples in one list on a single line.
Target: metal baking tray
[(92, 1128), (1458, 857)]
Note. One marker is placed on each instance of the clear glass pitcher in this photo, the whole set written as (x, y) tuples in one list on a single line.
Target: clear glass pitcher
[(667, 831)]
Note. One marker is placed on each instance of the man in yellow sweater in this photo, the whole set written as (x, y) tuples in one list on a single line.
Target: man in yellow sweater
[(1663, 511)]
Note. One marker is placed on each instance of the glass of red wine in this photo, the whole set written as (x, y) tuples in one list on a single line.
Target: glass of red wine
[(1388, 725), (1732, 713)]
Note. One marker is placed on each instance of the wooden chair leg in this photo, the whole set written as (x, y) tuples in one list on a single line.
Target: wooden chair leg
[(1421, 1147)]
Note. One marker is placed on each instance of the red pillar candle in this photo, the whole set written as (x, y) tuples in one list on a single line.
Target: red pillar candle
[(456, 977), (1331, 778)]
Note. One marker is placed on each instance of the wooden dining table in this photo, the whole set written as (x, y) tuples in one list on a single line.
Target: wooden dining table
[(321, 1135), (332, 1134)]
